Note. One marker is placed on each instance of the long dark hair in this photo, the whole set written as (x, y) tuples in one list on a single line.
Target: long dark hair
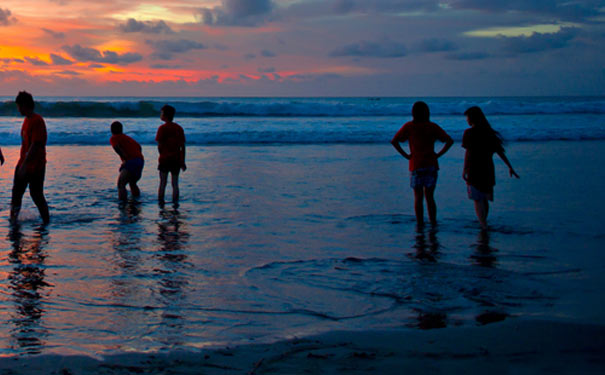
[(477, 118)]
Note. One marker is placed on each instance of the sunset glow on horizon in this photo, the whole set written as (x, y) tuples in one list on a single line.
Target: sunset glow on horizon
[(307, 47)]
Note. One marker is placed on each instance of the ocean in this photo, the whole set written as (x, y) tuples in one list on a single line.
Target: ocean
[(295, 218)]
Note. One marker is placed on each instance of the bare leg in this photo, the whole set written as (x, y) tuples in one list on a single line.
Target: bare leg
[(162, 187), (36, 190), (134, 189), (175, 187), (431, 206), (19, 186), (418, 205), (122, 182), (482, 209)]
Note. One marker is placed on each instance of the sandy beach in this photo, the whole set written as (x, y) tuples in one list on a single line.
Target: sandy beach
[(512, 347)]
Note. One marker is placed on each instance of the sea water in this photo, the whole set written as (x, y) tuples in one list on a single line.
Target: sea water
[(295, 218)]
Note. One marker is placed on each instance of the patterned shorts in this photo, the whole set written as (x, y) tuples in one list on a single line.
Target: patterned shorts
[(424, 177)]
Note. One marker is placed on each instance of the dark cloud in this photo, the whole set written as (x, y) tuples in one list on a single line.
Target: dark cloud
[(165, 66), (68, 73), (322, 8), (93, 55), (95, 66), (266, 70), (466, 56), (537, 42), (563, 9), (7, 61), (384, 49), (58, 60), (249, 56), (164, 49), (150, 27), (6, 17), (36, 61), (267, 53), (237, 13), (435, 45), (54, 34)]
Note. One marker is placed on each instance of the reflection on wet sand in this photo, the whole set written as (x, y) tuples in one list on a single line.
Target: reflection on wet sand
[(28, 289), (427, 247), (126, 241), (484, 253), (172, 238)]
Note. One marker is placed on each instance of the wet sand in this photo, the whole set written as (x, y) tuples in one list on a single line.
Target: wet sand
[(513, 346)]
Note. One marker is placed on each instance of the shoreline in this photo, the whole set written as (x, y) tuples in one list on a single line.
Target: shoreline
[(511, 346)]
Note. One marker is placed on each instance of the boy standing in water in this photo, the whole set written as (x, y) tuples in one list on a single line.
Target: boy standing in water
[(31, 167), (171, 146), (421, 135), (132, 160)]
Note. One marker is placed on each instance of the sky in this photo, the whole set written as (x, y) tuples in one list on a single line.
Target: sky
[(302, 47)]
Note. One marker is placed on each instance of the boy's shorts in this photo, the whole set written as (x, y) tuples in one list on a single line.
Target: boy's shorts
[(424, 177), (173, 167), (478, 195), (134, 167)]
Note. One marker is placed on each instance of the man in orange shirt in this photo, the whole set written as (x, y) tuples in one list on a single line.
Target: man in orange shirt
[(421, 134), (171, 146), (130, 152), (31, 167)]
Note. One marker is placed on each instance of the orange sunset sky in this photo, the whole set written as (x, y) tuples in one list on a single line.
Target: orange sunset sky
[(302, 47)]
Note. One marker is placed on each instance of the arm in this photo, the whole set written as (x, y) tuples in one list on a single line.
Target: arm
[(183, 166), (465, 169), (397, 146), (511, 171), (31, 152), (448, 143), (118, 151)]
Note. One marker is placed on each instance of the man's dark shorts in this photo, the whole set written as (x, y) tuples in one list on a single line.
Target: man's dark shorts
[(173, 167), (134, 167)]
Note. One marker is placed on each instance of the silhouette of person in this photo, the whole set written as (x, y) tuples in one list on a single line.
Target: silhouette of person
[(130, 152), (171, 146), (481, 142), (421, 135), (31, 167)]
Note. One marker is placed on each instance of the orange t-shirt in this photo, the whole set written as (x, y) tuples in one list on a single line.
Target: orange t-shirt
[(130, 148), (171, 139), (422, 137), (33, 130)]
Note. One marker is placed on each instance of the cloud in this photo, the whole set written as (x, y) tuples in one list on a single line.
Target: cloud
[(249, 56), (58, 60), (435, 45), (266, 70), (150, 27), (69, 73), (164, 49), (267, 53), (36, 61), (6, 17), (54, 34), (539, 42), (563, 9), (93, 55), (385, 49), (246, 13), (466, 56)]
